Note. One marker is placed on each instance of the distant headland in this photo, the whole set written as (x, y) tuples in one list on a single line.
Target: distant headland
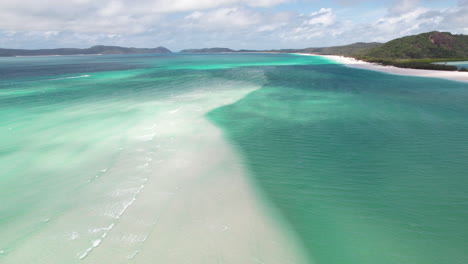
[(100, 49)]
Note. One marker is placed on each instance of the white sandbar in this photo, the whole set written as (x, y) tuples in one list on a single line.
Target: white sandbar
[(179, 194)]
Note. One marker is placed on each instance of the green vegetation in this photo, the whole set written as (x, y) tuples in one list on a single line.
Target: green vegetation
[(423, 46), (420, 51)]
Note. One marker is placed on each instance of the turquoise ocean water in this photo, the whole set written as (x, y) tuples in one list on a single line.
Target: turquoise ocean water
[(365, 167)]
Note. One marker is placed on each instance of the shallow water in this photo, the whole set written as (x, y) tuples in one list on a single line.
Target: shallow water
[(112, 159), (91, 145), (459, 64), (367, 167)]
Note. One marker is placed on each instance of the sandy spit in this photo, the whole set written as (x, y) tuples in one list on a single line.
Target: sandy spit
[(359, 64)]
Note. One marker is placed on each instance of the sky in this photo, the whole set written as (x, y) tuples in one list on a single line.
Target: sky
[(236, 24)]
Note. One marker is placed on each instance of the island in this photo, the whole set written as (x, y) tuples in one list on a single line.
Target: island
[(99, 49)]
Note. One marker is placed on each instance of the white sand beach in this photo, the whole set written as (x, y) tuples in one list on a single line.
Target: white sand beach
[(359, 64)]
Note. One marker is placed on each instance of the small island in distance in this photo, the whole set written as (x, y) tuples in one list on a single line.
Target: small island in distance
[(420, 51), (95, 50)]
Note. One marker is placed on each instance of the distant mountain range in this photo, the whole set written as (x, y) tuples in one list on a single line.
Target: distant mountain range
[(72, 51)]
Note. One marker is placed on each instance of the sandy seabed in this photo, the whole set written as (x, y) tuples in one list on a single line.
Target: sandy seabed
[(181, 195), (359, 64)]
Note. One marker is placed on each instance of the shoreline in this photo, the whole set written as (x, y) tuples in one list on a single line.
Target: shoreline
[(359, 64)]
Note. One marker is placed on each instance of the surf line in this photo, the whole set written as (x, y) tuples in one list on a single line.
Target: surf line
[(97, 242), (57, 79)]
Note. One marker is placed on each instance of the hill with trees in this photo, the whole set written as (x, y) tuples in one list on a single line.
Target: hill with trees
[(420, 51), (431, 45)]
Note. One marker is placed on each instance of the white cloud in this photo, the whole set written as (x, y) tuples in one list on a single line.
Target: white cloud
[(324, 17), (104, 16), (222, 18), (231, 23), (404, 24), (399, 7)]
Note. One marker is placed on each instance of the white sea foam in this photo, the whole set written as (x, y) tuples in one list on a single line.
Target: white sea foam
[(125, 191), (133, 238), (176, 110), (72, 77), (152, 127), (125, 204), (144, 165), (100, 229), (132, 256), (147, 137), (116, 215), (58, 79), (73, 235), (96, 243)]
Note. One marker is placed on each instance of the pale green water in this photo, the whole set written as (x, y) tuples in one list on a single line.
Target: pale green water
[(459, 64), (80, 138), (365, 167)]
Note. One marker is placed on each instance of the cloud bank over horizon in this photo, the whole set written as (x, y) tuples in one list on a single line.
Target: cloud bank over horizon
[(238, 24)]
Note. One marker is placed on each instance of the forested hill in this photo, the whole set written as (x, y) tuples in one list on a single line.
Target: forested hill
[(429, 45), (72, 51), (207, 50)]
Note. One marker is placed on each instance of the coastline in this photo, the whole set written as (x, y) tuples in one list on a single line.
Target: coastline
[(359, 64)]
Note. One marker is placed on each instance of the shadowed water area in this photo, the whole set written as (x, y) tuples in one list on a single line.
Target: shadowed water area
[(367, 167), (109, 159)]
